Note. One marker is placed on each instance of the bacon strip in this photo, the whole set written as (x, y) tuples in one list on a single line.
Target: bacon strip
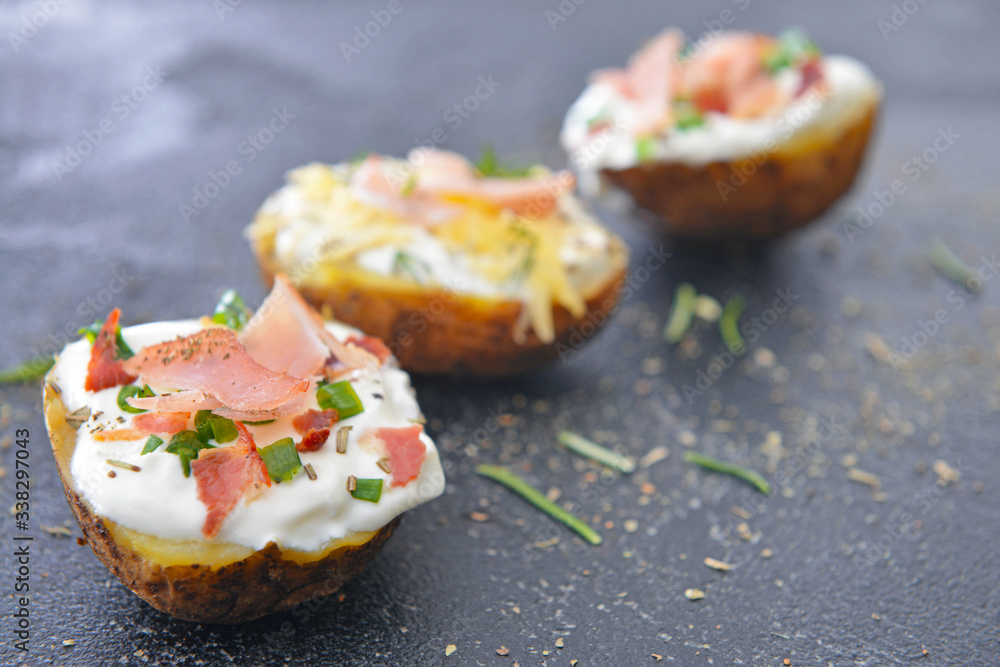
[(403, 447), (189, 400), (314, 419), (313, 440), (284, 334), (439, 175), (104, 369), (287, 335), (145, 424), (226, 475), (161, 422), (214, 362), (443, 173), (372, 345)]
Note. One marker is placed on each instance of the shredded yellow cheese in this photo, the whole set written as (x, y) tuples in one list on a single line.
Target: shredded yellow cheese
[(522, 255)]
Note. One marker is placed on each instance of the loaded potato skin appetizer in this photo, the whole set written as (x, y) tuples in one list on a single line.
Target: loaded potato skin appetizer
[(741, 137), (461, 269), (228, 471)]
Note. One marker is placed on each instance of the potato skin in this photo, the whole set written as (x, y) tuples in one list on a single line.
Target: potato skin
[(792, 186), (438, 332), (264, 582)]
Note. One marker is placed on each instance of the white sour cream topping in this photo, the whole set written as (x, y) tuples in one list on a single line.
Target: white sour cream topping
[(300, 514), (852, 90)]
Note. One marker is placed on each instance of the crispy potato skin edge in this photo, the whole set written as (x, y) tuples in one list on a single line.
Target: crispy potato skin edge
[(434, 331), (260, 584), (779, 195)]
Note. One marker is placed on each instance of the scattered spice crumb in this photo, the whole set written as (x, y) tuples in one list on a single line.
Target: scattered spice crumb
[(657, 656), (786, 661), (766, 553), (864, 477), (449, 649), (694, 594), (56, 530), (718, 565), (502, 650), (945, 473), (740, 512), (655, 455), (559, 643), (479, 516), (80, 541), (631, 525), (69, 642)]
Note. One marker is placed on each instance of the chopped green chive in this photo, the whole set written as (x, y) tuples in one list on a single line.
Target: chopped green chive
[(687, 115), (232, 311), (365, 489), (793, 47), (130, 390), (729, 324), (489, 165), (681, 312), (953, 268), (602, 119), (281, 460), (341, 397), (213, 427), (29, 370), (151, 444), (592, 450), (645, 149), (186, 445), (747, 475), (122, 350), (409, 185), (406, 264), (538, 499)]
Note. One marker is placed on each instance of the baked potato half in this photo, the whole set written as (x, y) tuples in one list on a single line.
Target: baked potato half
[(206, 582), (459, 273), (742, 137), (160, 433)]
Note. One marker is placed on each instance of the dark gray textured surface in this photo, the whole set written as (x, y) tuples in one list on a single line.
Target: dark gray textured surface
[(853, 579)]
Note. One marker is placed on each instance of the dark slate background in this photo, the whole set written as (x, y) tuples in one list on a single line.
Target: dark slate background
[(856, 577)]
